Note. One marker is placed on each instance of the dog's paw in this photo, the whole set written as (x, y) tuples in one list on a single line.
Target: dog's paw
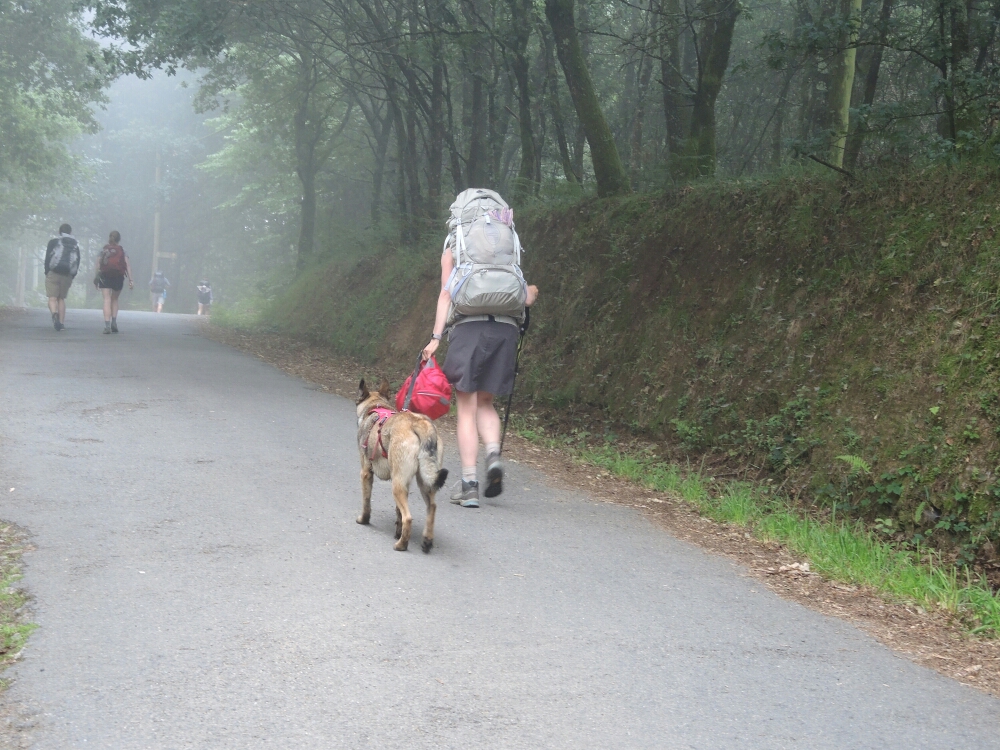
[(400, 546), (363, 520), (427, 544)]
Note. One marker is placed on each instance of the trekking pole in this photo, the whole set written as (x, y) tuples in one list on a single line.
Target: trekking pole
[(517, 363)]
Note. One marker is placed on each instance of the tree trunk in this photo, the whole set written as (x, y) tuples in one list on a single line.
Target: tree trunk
[(842, 80), (435, 151), (715, 43), (381, 149), (305, 168), (520, 35), (458, 183), (307, 228), (636, 149), (611, 177), (779, 119), (539, 119), (671, 78), (475, 165), (552, 80), (855, 139)]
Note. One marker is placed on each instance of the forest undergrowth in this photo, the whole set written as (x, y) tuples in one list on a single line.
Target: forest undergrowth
[(833, 340)]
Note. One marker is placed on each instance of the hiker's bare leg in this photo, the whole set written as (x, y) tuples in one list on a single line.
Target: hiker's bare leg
[(487, 419), (114, 303), (159, 305), (54, 305), (468, 435), (107, 305), (62, 310)]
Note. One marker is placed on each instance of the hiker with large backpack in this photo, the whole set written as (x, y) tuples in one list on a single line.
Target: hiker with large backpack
[(112, 270), (62, 261), (158, 291), (481, 307)]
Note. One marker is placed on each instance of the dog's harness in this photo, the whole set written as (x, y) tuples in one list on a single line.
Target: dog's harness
[(382, 413)]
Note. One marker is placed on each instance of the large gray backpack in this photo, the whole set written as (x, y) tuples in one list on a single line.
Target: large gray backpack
[(487, 279)]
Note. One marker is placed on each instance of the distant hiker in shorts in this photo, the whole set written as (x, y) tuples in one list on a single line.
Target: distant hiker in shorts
[(482, 316), (112, 270), (158, 291), (204, 298), (62, 261)]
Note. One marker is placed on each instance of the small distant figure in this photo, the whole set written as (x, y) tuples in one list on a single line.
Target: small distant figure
[(204, 298), (112, 270), (62, 261), (158, 291)]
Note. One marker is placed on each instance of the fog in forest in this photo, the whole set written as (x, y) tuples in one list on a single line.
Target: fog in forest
[(296, 134)]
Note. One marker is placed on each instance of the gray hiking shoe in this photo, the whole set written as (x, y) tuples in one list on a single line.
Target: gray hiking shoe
[(466, 494), (494, 475)]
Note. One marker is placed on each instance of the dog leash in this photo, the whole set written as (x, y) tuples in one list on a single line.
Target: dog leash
[(413, 381), (517, 363)]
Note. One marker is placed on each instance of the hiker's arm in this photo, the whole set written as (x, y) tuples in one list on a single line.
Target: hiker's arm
[(532, 295), (443, 303), (128, 271)]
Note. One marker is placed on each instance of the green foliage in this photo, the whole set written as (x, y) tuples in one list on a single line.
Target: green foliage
[(51, 75), (14, 630), (858, 465)]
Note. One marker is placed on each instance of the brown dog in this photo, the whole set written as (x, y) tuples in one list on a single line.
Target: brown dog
[(398, 446)]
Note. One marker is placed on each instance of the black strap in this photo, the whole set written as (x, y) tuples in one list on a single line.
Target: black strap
[(413, 382)]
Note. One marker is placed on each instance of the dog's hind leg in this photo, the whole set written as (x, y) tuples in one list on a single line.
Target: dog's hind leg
[(400, 491), (367, 480), (399, 523), (428, 494)]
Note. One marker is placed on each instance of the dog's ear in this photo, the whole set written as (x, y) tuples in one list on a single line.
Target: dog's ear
[(362, 391), (383, 388)]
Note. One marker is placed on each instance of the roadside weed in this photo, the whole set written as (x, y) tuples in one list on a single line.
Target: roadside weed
[(14, 631), (839, 550)]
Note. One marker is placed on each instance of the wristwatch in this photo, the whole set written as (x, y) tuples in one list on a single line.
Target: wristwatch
[(437, 336)]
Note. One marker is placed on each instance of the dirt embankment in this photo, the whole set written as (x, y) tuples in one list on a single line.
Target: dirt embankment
[(839, 338)]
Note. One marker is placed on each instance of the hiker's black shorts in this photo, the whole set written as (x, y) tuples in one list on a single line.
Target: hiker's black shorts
[(109, 280), (481, 355)]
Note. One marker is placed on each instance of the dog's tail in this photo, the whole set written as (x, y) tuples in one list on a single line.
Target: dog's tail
[(430, 460)]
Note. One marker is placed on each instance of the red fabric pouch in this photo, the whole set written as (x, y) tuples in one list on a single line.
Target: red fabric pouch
[(431, 394)]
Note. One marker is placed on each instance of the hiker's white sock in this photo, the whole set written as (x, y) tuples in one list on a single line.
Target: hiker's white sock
[(468, 473), (492, 448)]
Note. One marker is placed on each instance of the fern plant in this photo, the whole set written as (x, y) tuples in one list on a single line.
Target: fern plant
[(858, 465)]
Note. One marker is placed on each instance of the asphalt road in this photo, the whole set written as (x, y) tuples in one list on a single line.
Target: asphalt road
[(200, 582)]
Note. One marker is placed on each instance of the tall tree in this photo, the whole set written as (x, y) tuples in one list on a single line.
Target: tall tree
[(608, 170), (713, 46), (842, 78)]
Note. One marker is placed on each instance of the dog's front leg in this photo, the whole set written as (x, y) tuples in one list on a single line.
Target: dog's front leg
[(400, 491), (367, 480)]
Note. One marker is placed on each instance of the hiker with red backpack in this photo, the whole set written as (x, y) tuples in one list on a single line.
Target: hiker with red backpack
[(482, 308), (112, 270)]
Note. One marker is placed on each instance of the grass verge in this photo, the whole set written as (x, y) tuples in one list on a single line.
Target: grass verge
[(14, 630), (841, 550)]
